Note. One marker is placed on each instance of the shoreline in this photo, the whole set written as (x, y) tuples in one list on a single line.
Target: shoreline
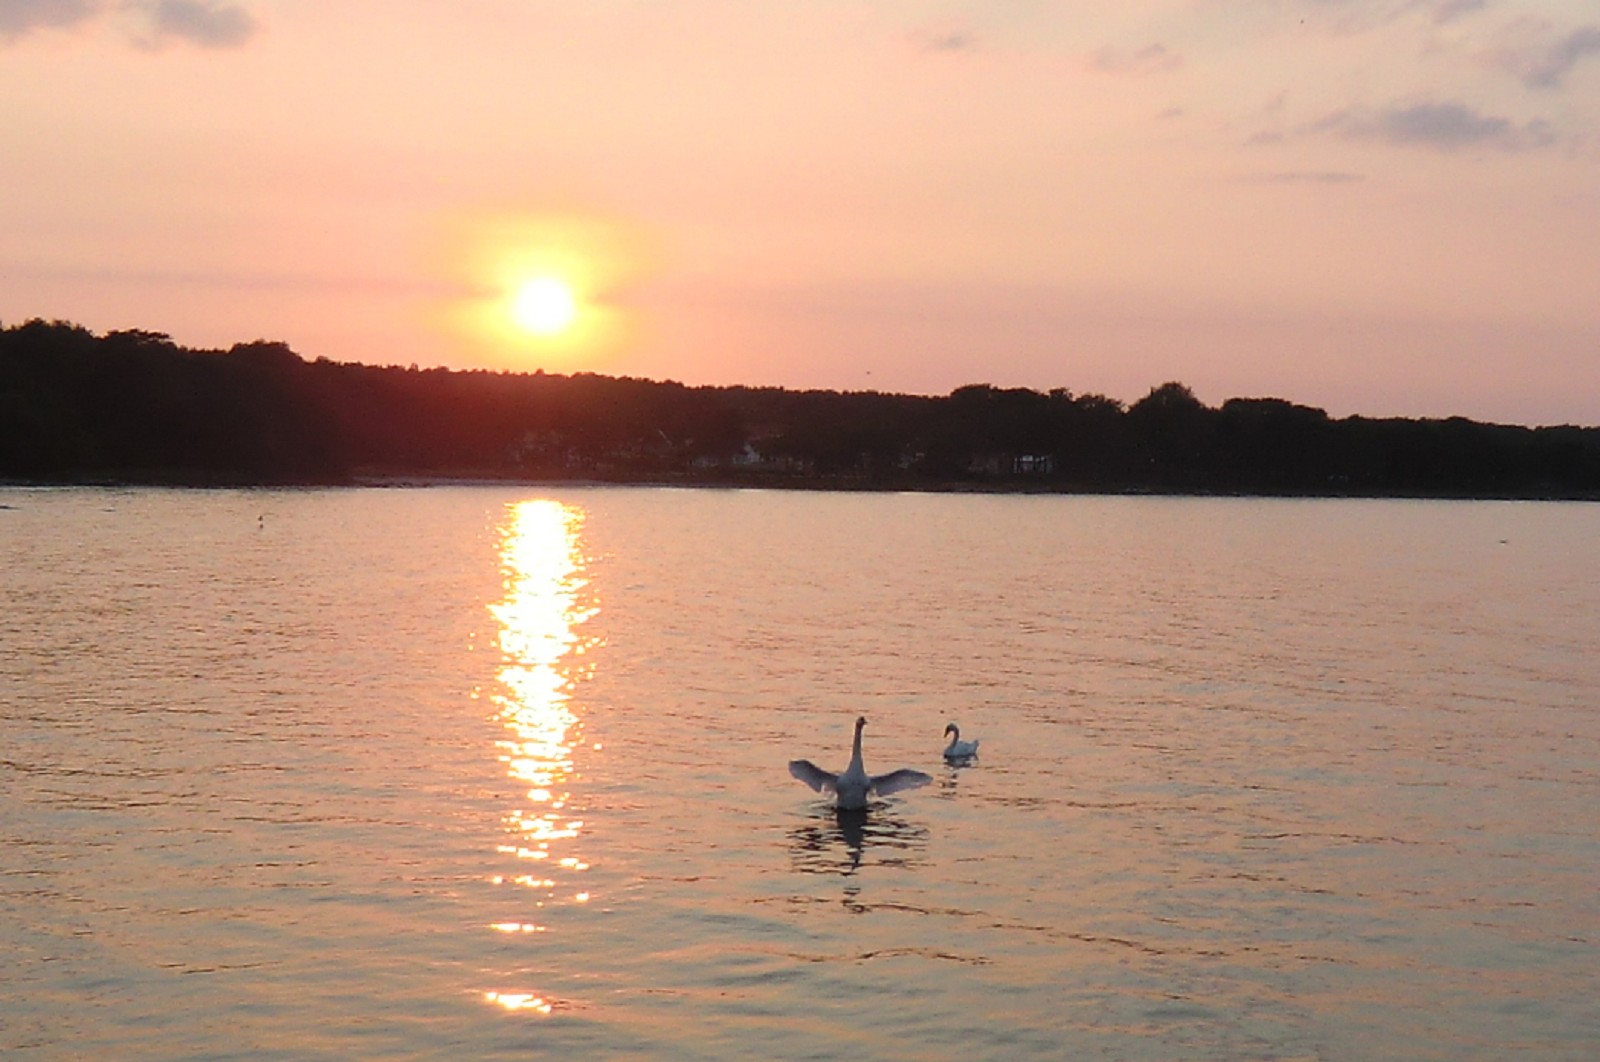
[(819, 484)]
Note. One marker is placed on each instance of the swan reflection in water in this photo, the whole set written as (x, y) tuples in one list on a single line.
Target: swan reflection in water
[(835, 840)]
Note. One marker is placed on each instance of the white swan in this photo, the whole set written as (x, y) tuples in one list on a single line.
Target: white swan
[(958, 749), (851, 787)]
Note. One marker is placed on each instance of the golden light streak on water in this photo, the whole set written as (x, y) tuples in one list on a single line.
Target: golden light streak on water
[(541, 644), (517, 927), (519, 1001)]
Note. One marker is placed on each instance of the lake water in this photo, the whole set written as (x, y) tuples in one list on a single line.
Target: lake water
[(500, 772)]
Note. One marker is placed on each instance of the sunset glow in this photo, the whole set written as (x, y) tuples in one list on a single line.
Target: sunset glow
[(539, 289), (1369, 206)]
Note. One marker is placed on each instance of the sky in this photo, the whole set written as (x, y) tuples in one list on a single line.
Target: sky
[(1378, 207)]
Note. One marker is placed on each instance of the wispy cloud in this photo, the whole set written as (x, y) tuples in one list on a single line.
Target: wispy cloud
[(203, 23), (1360, 16), (1442, 126), (944, 39), (1151, 59), (1450, 10), (19, 17), (1545, 65)]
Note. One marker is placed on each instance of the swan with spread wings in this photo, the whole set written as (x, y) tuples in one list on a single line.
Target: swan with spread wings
[(852, 786)]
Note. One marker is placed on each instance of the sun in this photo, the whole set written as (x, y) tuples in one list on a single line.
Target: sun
[(544, 306), (555, 290)]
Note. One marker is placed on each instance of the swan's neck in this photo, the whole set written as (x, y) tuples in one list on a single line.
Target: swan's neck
[(855, 748)]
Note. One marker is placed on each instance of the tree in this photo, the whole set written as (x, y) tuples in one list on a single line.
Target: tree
[(1173, 430)]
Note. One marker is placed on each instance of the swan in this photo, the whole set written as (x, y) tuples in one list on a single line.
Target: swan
[(851, 787), (958, 749)]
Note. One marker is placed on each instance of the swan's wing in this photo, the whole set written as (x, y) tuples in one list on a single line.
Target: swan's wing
[(812, 775), (894, 781)]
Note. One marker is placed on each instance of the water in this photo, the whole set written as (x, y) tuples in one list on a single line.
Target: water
[(500, 772)]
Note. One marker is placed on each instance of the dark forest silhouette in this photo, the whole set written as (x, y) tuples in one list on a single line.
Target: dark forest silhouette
[(133, 407)]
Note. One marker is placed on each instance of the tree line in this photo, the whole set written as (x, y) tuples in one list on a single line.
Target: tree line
[(134, 407)]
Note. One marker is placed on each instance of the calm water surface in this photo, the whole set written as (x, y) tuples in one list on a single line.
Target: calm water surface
[(497, 772)]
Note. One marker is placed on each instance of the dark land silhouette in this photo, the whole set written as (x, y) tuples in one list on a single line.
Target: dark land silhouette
[(133, 407)]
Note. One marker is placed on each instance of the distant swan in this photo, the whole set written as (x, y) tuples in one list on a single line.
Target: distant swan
[(958, 749), (850, 788)]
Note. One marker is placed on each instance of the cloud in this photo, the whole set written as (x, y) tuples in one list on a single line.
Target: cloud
[(1151, 59), (203, 23), (1361, 16), (945, 40), (949, 37), (19, 17), (1450, 10), (1547, 67), (1442, 126)]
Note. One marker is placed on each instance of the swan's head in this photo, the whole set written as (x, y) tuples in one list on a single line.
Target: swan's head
[(861, 721), (951, 728)]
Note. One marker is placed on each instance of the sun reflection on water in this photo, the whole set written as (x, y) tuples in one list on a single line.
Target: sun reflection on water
[(525, 1001), (543, 657)]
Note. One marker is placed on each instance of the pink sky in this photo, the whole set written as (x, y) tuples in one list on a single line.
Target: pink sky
[(1388, 207)]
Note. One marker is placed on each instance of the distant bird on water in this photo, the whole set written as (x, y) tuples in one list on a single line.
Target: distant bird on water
[(851, 787), (958, 749)]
